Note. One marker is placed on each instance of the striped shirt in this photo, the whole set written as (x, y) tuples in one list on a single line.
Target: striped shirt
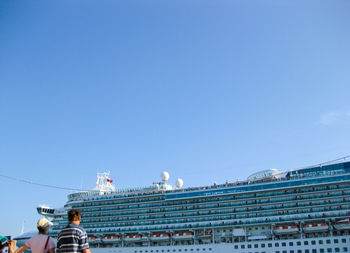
[(72, 239)]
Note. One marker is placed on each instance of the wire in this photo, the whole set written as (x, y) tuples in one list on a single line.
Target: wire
[(75, 189), (328, 162), (43, 185)]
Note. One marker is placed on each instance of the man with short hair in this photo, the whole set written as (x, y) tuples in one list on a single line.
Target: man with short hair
[(73, 238)]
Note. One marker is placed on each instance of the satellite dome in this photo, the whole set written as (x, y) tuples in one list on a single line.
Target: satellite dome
[(179, 183), (165, 176)]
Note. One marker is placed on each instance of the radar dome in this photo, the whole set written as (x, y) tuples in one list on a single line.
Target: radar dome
[(165, 176), (179, 183)]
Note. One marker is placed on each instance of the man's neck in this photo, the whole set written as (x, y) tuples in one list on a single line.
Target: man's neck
[(77, 222)]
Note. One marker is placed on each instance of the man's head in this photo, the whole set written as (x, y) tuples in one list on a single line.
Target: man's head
[(74, 216)]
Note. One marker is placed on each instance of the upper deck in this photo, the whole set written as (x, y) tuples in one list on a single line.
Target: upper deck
[(323, 173)]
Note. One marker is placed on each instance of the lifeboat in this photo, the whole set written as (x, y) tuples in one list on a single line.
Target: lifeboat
[(94, 239), (110, 238), (159, 237), (285, 229), (183, 235), (342, 224), (315, 227), (133, 238)]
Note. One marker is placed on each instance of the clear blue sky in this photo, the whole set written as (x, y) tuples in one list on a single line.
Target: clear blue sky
[(207, 90)]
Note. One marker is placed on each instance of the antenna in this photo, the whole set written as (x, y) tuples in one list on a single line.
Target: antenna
[(22, 229)]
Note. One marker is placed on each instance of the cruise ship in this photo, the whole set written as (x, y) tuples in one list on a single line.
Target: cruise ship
[(303, 210)]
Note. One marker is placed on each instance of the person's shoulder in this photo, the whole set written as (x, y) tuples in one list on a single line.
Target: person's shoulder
[(35, 237), (77, 227), (81, 229)]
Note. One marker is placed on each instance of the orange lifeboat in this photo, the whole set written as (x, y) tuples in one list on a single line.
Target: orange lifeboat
[(315, 227), (159, 237), (94, 239), (133, 238), (111, 238), (285, 229), (183, 235), (342, 224)]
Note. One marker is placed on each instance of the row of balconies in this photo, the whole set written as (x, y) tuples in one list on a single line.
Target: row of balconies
[(210, 223), (281, 227), (230, 216), (283, 207), (206, 211), (118, 211), (212, 199)]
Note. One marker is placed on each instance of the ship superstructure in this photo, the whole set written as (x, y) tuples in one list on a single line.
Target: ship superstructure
[(299, 211)]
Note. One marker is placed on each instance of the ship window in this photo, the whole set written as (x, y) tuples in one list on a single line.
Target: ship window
[(336, 240), (307, 251), (321, 250), (242, 246), (263, 245), (277, 251), (300, 251), (290, 243), (277, 244), (329, 249), (343, 240), (249, 246), (236, 246), (306, 243), (291, 251), (298, 243), (328, 241), (314, 251), (283, 244), (256, 245), (337, 250), (269, 245), (345, 249), (284, 251), (320, 241)]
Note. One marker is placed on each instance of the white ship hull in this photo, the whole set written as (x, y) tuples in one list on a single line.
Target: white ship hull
[(242, 247)]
